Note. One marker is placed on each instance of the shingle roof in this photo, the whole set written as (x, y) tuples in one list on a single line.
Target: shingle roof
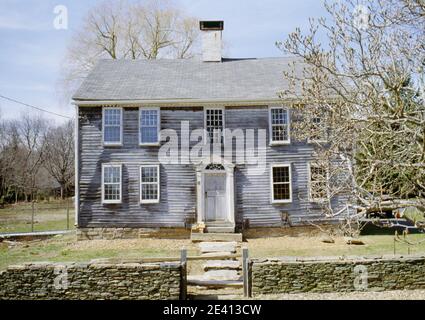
[(231, 79)]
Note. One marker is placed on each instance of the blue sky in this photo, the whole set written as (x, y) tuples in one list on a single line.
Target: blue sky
[(32, 49)]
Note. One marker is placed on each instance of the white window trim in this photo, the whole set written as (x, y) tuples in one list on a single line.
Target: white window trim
[(206, 136), (104, 201), (288, 165), (310, 198), (283, 142), (158, 183), (158, 127), (106, 143)]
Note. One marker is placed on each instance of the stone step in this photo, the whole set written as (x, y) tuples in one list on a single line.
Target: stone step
[(198, 237), (201, 281), (219, 223), (222, 265), (222, 275), (220, 255), (207, 247), (220, 229)]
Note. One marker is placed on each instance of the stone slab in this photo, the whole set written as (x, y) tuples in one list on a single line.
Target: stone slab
[(199, 237), (222, 264), (201, 281), (222, 275), (207, 247), (222, 255)]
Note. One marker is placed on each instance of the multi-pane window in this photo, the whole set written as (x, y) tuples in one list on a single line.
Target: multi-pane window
[(281, 183), (111, 186), (149, 183), (112, 126), (149, 126), (318, 130), (318, 182), (214, 124), (279, 125)]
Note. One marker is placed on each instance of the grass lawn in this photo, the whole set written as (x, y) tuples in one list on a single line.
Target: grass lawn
[(313, 246), (66, 249), (48, 216)]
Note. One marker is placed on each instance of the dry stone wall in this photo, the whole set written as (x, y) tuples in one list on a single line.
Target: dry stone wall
[(91, 281), (337, 274)]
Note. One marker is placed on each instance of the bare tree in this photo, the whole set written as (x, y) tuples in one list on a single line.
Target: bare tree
[(28, 156), (364, 90), (147, 29), (59, 154), (9, 150)]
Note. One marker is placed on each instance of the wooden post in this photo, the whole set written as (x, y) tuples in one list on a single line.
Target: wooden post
[(246, 273), (394, 246), (32, 216), (183, 282), (67, 214), (395, 240)]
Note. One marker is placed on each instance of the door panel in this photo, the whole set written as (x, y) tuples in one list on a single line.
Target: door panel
[(215, 193)]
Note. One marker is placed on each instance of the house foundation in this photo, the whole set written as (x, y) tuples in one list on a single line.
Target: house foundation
[(185, 233), (131, 233)]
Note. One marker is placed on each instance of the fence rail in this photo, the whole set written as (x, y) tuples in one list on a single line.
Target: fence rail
[(33, 217)]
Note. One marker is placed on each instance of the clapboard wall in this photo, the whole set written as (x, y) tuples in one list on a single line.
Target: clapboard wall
[(178, 181), (253, 189)]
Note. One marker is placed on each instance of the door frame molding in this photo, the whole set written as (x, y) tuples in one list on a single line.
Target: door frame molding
[(200, 187)]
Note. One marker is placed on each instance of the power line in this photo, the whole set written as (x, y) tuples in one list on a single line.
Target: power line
[(34, 107)]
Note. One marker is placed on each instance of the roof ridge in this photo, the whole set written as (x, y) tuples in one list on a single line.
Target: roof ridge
[(226, 59)]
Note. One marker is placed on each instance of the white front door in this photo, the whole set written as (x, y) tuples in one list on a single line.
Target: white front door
[(215, 196)]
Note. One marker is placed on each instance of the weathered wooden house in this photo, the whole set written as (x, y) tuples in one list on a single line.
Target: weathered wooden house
[(123, 108)]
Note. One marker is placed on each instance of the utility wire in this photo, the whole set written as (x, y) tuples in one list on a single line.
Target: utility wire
[(34, 107)]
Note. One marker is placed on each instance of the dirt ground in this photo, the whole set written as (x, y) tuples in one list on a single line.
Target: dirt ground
[(383, 295), (131, 244), (314, 246), (367, 295)]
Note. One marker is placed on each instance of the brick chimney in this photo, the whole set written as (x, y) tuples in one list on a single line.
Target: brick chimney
[(211, 40)]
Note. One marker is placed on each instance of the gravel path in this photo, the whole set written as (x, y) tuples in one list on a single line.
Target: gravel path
[(383, 295)]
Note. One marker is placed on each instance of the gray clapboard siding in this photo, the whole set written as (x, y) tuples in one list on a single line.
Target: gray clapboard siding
[(178, 182), (253, 194)]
